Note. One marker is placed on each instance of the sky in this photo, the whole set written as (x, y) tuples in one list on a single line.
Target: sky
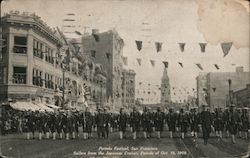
[(167, 21)]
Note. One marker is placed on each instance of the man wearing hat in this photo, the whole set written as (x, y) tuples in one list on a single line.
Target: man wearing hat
[(245, 122), (171, 121), (122, 122), (218, 122), (226, 120), (183, 121), (87, 121), (135, 121), (206, 123), (194, 120), (106, 117), (233, 121), (100, 123), (146, 123), (159, 121)]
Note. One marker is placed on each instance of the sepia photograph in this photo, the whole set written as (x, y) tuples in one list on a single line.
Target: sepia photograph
[(124, 79)]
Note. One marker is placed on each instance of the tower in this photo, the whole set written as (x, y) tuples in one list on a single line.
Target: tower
[(165, 88)]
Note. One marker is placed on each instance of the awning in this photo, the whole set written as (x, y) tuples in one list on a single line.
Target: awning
[(53, 106), (25, 106), (44, 107)]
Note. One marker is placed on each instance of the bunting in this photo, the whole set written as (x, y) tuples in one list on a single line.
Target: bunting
[(152, 63), (180, 64), (199, 66), (182, 46), (165, 64), (125, 60), (216, 66), (203, 47), (158, 46), (139, 45), (139, 61), (226, 47)]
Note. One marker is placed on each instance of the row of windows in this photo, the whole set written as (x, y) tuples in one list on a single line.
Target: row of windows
[(20, 47)]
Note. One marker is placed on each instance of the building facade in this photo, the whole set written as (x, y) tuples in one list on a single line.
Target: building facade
[(38, 65), (147, 93), (242, 97), (214, 86), (165, 89), (128, 88), (106, 49)]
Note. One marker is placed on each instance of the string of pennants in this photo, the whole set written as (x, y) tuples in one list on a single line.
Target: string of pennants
[(166, 64), (158, 45)]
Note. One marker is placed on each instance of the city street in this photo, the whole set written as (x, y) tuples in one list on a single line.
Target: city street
[(17, 146)]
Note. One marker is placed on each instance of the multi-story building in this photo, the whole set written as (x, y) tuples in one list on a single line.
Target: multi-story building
[(215, 86), (242, 97), (33, 66), (128, 88), (106, 49), (165, 89)]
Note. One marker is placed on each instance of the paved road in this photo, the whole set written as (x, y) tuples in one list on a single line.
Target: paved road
[(17, 146)]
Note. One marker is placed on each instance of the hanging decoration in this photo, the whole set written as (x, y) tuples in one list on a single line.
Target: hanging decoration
[(216, 66), (203, 47), (199, 66), (139, 45), (139, 61), (180, 64), (165, 64), (152, 63), (182, 46), (226, 47), (158, 46)]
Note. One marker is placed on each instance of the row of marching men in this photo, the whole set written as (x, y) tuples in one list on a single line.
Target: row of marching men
[(67, 124)]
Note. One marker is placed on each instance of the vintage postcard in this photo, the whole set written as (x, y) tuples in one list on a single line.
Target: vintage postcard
[(124, 78)]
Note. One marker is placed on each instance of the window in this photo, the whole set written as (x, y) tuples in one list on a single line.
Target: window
[(37, 78), (19, 75), (37, 49), (93, 53), (48, 81), (20, 45), (3, 74)]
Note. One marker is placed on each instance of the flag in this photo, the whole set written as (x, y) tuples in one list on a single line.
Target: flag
[(182, 46), (152, 62), (158, 46), (78, 33), (180, 64), (226, 47), (96, 37), (165, 64), (139, 61), (214, 89), (199, 66), (203, 46), (139, 45), (125, 60), (216, 66)]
